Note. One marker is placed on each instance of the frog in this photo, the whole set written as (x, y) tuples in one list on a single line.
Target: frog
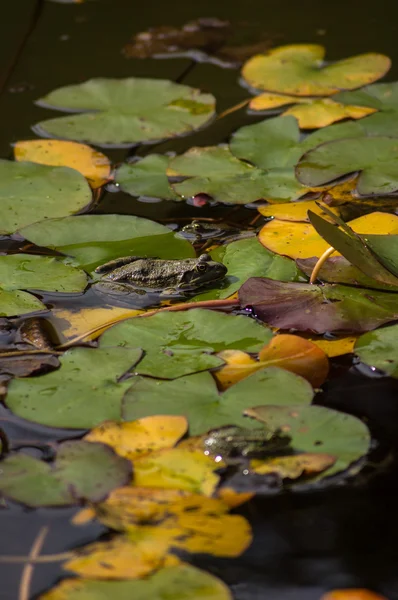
[(233, 441), (219, 233), (159, 275)]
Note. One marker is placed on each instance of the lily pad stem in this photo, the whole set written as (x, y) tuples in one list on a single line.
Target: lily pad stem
[(320, 262)]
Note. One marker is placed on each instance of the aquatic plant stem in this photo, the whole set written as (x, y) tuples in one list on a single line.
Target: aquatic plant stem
[(24, 588), (320, 262)]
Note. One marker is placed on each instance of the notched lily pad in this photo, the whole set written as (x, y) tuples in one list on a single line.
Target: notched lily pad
[(299, 69), (147, 177), (124, 112), (81, 471)]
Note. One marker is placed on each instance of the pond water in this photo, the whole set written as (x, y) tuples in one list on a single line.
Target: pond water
[(304, 543)]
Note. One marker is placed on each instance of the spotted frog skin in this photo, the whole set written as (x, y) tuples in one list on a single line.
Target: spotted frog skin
[(233, 441), (155, 274)]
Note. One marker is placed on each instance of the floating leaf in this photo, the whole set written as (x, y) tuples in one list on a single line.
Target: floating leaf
[(315, 308), (335, 347), (147, 177), (379, 349), (80, 471), (375, 157), (84, 392), (244, 259), (94, 165), (124, 112), (179, 343), (285, 351), (196, 397), (14, 303), (178, 468), (31, 193), (295, 211), (318, 429), (183, 582), (292, 467), (95, 239), (29, 271), (299, 69), (137, 438), (352, 594)]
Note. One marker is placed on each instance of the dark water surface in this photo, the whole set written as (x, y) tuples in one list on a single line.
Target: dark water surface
[(304, 544)]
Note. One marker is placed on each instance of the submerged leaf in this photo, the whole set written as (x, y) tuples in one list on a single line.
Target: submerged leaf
[(94, 165), (196, 397), (298, 69), (124, 112), (80, 471), (315, 308), (84, 392), (95, 239), (183, 582), (318, 429), (30, 192)]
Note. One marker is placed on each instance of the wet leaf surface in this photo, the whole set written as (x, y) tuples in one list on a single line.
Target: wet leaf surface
[(30, 192), (184, 582), (138, 438), (94, 165), (295, 211), (299, 69), (80, 471), (126, 111), (318, 429), (320, 309), (84, 392), (179, 343), (196, 397), (379, 349), (15, 302), (147, 177), (293, 467), (285, 351), (92, 240)]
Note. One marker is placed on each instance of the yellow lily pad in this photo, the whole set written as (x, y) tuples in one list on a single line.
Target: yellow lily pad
[(177, 468), (338, 347), (292, 467), (133, 439), (289, 352), (94, 165), (300, 240), (295, 211), (299, 69)]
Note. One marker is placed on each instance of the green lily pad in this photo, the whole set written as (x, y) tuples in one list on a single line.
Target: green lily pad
[(16, 302), (81, 470), (196, 397), (315, 308), (84, 392), (30, 192), (357, 248), (95, 239), (380, 349), (147, 177), (244, 259), (29, 271), (180, 583), (126, 111), (319, 429), (179, 343), (299, 69), (375, 157)]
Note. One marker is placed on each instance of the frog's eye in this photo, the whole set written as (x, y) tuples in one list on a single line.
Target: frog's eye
[(201, 267)]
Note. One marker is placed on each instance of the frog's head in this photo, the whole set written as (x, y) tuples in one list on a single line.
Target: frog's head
[(204, 271)]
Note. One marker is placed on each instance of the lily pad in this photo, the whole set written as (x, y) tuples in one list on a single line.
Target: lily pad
[(375, 157), (29, 271), (147, 177), (319, 429), (124, 112), (81, 394), (81, 470), (183, 582), (244, 259), (179, 343), (30, 192), (95, 239), (299, 69), (380, 349), (196, 397), (15, 302), (320, 309)]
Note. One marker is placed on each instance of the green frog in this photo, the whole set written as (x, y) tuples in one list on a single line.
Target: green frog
[(233, 441), (165, 276), (217, 233)]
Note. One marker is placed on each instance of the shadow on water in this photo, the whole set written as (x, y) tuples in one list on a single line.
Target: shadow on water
[(304, 543)]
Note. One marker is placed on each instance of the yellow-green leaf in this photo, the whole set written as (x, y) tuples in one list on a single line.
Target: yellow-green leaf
[(294, 466)]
